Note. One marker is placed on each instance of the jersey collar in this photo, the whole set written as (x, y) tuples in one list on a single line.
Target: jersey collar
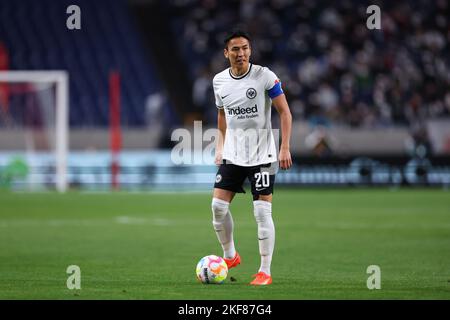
[(243, 76)]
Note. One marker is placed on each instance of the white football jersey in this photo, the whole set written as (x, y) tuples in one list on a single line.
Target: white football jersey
[(249, 140)]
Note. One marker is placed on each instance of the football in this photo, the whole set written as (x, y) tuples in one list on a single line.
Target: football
[(211, 270)]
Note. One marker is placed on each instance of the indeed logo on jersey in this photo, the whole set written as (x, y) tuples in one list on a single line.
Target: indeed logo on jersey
[(244, 113)]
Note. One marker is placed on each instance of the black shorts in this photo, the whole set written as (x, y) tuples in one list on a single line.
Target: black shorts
[(262, 178)]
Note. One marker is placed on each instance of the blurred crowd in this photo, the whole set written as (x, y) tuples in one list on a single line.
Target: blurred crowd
[(334, 70)]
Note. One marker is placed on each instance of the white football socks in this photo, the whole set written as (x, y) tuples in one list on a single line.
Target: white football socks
[(266, 233), (223, 225)]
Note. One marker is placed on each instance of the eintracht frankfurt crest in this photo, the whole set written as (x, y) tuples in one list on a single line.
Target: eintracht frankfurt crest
[(251, 93)]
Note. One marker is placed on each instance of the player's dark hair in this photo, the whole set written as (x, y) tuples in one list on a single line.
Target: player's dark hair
[(236, 34)]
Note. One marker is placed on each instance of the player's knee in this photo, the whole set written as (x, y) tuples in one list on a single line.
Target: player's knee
[(264, 233), (219, 208), (262, 210)]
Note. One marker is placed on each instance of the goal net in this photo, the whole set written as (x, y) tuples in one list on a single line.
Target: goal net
[(33, 130)]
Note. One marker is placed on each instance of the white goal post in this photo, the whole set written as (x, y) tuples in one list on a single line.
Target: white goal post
[(60, 78)]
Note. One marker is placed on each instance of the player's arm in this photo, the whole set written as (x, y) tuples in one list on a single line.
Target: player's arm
[(222, 127), (280, 103)]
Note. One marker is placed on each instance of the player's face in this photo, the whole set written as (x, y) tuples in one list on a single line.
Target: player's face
[(238, 52)]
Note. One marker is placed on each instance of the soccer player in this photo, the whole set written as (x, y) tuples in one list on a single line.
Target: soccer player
[(244, 95)]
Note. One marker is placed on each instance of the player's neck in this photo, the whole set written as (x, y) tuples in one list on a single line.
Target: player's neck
[(238, 71)]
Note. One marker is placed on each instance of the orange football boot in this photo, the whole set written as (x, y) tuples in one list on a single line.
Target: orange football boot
[(261, 279), (231, 263)]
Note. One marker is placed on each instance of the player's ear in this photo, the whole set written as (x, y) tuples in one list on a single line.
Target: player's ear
[(225, 53)]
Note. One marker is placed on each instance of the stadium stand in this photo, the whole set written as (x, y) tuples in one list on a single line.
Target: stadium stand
[(336, 72), (108, 41)]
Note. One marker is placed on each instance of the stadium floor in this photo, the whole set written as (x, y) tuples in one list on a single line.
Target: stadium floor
[(146, 246)]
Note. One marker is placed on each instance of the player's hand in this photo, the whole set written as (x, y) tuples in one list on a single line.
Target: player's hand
[(218, 158), (285, 159)]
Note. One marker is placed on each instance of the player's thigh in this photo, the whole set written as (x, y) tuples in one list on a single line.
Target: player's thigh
[(264, 197), (262, 180), (229, 181), (222, 194)]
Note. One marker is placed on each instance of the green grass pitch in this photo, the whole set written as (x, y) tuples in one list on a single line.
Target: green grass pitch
[(146, 246)]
